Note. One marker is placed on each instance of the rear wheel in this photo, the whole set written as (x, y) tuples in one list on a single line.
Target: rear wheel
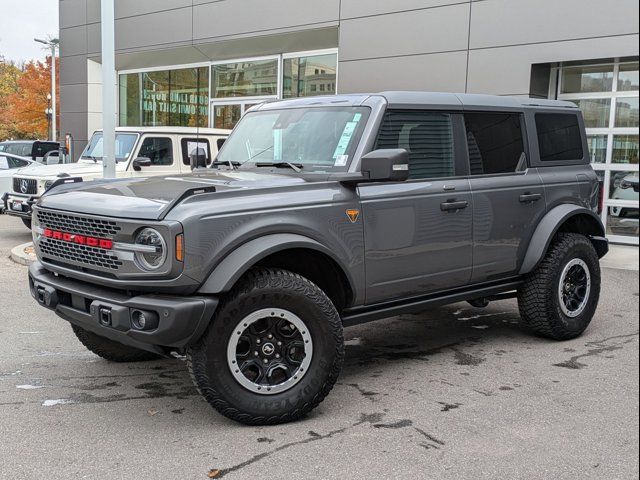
[(560, 297), (272, 352), (110, 350), (27, 222)]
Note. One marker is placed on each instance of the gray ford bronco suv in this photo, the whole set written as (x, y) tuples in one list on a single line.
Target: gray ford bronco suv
[(318, 214)]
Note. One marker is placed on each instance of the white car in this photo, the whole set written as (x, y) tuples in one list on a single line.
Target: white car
[(10, 165), (626, 187), (143, 151)]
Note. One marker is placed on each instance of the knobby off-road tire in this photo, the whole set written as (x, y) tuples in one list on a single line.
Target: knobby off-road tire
[(540, 298), (268, 290), (110, 350)]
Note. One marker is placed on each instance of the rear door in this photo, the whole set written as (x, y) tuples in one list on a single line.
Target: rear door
[(418, 232), (189, 146), (508, 196)]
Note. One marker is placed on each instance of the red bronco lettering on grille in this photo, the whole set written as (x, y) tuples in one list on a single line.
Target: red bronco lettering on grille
[(79, 239)]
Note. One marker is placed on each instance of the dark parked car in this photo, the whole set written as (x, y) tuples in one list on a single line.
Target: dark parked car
[(322, 213)]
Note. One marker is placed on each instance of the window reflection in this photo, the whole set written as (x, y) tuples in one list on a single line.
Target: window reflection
[(165, 98), (625, 149), (597, 148), (626, 112), (595, 111), (628, 77), (588, 78), (308, 76), (246, 79)]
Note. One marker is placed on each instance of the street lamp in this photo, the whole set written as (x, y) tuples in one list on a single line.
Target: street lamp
[(53, 44)]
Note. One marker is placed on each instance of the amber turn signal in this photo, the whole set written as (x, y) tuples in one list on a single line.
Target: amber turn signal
[(180, 247)]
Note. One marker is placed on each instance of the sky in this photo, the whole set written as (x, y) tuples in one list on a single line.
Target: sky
[(23, 20)]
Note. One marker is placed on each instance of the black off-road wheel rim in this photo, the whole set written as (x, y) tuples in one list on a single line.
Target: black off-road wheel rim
[(574, 288), (269, 351)]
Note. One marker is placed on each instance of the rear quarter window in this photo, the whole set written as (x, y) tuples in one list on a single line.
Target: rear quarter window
[(559, 137)]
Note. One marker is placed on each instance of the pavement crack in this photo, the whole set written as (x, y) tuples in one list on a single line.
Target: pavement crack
[(313, 437), (602, 347)]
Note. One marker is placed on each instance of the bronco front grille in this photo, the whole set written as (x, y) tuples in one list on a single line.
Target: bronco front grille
[(26, 186), (77, 224), (90, 256)]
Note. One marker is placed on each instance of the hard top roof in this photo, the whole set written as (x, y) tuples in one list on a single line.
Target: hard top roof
[(397, 99)]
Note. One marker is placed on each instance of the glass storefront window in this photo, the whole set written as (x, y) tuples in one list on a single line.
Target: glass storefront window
[(309, 76), (595, 111), (246, 79), (626, 113), (625, 149), (628, 77), (623, 221), (165, 98), (623, 185), (597, 148), (226, 116), (589, 78)]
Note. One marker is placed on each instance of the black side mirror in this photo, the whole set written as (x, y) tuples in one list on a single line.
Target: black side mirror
[(220, 142), (391, 165), (140, 162), (198, 158)]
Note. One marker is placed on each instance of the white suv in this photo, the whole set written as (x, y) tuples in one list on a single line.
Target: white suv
[(144, 152)]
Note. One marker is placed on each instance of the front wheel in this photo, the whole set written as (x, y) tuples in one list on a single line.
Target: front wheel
[(560, 297), (272, 352)]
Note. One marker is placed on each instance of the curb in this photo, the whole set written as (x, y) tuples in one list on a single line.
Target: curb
[(20, 256)]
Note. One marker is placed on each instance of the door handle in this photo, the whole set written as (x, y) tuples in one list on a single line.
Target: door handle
[(453, 205), (530, 197)]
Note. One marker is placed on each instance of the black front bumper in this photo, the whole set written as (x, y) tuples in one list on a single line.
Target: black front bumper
[(181, 320)]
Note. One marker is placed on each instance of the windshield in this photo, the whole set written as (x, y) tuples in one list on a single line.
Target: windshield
[(124, 145), (313, 138)]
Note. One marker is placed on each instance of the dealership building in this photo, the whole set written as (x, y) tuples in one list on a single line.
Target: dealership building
[(204, 62)]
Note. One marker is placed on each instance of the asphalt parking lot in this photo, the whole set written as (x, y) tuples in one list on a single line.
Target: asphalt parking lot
[(455, 393)]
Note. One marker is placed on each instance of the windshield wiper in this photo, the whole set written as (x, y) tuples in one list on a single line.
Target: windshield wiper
[(229, 163), (295, 166)]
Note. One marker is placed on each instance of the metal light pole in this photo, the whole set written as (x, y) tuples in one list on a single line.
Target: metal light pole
[(108, 88), (53, 44)]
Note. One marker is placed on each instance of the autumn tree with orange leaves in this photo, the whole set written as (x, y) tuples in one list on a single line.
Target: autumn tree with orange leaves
[(23, 100)]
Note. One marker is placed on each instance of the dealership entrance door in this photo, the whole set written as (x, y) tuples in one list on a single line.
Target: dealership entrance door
[(225, 114)]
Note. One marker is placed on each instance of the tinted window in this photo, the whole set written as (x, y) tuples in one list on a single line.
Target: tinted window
[(559, 136), (189, 145), (495, 142), (17, 163), (427, 136), (158, 149)]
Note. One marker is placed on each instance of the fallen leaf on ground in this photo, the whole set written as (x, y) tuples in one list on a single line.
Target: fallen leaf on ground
[(213, 473), (152, 411)]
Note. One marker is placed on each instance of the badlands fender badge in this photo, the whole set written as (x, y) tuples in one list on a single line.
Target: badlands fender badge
[(353, 214)]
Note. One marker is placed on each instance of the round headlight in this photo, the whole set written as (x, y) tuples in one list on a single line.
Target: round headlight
[(155, 254), (47, 185)]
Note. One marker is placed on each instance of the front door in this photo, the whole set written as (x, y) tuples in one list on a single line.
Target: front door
[(161, 150), (418, 233)]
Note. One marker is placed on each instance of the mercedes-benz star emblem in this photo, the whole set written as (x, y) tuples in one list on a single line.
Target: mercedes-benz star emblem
[(24, 186)]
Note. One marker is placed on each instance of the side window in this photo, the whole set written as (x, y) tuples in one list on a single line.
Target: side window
[(495, 142), (158, 149), (4, 163), (427, 136), (559, 137), (189, 145), (15, 163)]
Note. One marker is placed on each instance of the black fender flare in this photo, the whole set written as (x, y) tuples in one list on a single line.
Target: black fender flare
[(240, 260), (549, 226)]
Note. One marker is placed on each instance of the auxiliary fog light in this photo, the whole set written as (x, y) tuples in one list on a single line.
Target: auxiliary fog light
[(144, 320)]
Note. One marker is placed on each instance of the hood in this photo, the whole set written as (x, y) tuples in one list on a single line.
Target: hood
[(151, 198), (82, 168)]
